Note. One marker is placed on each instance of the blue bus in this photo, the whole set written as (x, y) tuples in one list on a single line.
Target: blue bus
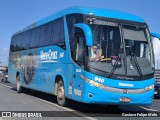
[(90, 55), (156, 44)]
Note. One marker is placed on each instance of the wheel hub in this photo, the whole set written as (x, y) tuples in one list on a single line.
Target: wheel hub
[(60, 93), (18, 84)]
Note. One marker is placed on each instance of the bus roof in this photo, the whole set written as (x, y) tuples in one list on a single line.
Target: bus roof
[(88, 11), (155, 35)]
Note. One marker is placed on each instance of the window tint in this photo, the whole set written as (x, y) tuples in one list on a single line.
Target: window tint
[(57, 36), (48, 34), (53, 33), (107, 38), (13, 44), (16, 43), (79, 49), (20, 41), (24, 40), (35, 38), (45, 35), (71, 20), (134, 33)]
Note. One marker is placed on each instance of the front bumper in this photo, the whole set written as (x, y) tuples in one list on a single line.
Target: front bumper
[(100, 96)]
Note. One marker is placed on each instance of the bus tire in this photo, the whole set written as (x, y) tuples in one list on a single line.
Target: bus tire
[(61, 100), (19, 87)]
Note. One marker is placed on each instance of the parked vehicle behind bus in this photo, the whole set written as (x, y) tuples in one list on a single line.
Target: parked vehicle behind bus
[(5, 75), (53, 56)]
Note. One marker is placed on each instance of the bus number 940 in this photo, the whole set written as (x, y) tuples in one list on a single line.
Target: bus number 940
[(99, 79)]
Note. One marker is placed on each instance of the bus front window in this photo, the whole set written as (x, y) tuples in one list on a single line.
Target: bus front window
[(127, 58), (106, 53), (138, 51)]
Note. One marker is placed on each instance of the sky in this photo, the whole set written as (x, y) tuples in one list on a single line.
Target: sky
[(18, 14)]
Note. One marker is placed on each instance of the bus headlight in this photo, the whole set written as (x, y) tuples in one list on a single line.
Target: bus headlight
[(96, 84), (149, 88), (93, 83)]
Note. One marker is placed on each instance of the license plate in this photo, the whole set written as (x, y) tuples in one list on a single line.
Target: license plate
[(155, 92), (124, 100)]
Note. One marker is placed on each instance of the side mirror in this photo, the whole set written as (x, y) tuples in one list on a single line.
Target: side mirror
[(87, 32)]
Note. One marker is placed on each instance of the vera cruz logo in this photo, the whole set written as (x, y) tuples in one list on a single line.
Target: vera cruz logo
[(126, 84), (50, 56)]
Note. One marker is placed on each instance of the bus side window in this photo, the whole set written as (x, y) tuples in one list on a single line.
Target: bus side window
[(13, 44), (79, 49)]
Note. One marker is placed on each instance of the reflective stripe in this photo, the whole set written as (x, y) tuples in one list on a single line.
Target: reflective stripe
[(117, 90)]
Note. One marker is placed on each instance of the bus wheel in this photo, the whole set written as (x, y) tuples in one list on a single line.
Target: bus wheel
[(60, 94), (19, 88)]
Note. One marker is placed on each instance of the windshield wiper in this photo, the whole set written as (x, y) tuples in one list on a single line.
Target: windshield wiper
[(114, 66), (135, 62)]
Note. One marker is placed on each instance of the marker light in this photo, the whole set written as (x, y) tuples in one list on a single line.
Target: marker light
[(96, 84), (93, 83), (119, 90), (149, 87)]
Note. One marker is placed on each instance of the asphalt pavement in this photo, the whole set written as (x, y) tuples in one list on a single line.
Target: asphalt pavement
[(37, 104)]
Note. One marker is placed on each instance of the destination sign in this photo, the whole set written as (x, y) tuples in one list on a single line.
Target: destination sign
[(104, 22)]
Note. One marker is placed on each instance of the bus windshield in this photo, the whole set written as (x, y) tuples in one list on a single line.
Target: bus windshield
[(108, 42), (137, 50), (114, 59)]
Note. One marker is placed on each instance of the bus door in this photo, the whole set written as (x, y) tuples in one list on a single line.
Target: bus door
[(78, 67)]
